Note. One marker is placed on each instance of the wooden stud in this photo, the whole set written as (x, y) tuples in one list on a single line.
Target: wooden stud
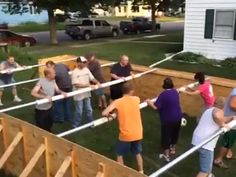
[(10, 149), (64, 167), (29, 167), (101, 170), (73, 167), (1, 127), (47, 157)]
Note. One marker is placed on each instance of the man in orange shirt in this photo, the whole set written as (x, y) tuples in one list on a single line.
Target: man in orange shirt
[(130, 125)]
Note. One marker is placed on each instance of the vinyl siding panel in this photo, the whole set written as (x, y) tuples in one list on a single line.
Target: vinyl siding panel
[(194, 40)]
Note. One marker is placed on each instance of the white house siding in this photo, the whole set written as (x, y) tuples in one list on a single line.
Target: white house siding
[(195, 26)]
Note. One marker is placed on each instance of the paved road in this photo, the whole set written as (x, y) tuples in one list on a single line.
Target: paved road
[(43, 37)]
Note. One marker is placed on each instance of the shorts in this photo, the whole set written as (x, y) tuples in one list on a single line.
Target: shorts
[(206, 160), (44, 119), (99, 92), (123, 147), (7, 81), (228, 139)]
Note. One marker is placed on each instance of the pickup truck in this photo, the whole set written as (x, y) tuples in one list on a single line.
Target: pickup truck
[(88, 28), (137, 25)]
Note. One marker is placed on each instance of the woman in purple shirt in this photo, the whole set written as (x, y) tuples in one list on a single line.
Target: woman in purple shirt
[(168, 105)]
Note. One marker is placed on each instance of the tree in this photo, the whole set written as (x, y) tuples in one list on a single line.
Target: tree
[(20, 6), (159, 5)]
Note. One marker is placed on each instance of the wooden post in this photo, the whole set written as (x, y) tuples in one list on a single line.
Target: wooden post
[(47, 157), (1, 127), (73, 166), (101, 170), (33, 161), (10, 149), (64, 167)]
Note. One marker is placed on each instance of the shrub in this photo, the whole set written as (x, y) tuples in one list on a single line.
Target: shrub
[(229, 62), (20, 55), (190, 57)]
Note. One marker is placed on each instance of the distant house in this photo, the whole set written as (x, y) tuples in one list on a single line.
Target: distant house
[(210, 28), (127, 9)]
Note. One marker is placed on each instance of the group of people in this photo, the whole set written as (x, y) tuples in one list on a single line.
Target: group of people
[(216, 113)]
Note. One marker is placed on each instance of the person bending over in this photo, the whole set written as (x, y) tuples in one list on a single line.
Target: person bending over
[(130, 125)]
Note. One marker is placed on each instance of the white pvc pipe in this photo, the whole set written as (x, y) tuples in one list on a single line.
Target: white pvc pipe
[(77, 92), (31, 67), (104, 120), (34, 80), (166, 59), (192, 150)]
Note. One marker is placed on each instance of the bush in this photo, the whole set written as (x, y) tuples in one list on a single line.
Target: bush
[(190, 57), (20, 55), (229, 62)]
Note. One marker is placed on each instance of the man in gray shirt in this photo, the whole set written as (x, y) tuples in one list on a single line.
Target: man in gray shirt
[(61, 108), (45, 88)]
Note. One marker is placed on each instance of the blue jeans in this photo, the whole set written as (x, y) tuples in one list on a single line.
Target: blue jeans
[(62, 110), (81, 105), (206, 158)]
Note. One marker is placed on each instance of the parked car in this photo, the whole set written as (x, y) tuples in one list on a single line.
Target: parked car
[(138, 25), (88, 28), (11, 38)]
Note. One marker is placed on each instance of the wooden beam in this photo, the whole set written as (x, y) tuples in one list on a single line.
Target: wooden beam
[(29, 167), (73, 166), (10, 149), (1, 127), (64, 167), (47, 158), (101, 170)]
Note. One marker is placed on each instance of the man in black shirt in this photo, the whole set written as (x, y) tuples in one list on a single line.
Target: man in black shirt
[(61, 108), (119, 71)]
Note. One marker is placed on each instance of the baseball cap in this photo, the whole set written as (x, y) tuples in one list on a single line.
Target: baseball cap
[(81, 59)]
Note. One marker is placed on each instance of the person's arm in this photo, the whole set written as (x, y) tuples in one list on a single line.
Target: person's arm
[(18, 65), (218, 117), (114, 73), (37, 94), (232, 103), (109, 109), (196, 92), (151, 104), (92, 78)]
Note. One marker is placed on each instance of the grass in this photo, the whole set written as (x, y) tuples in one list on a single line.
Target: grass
[(170, 19), (102, 139), (34, 27)]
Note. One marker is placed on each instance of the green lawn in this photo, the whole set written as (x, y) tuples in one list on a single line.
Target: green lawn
[(102, 139)]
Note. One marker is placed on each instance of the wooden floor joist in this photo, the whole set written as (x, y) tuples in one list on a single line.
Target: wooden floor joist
[(101, 170), (29, 167), (1, 127), (64, 167), (10, 149)]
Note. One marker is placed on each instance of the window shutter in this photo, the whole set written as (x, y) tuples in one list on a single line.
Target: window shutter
[(209, 23), (235, 28)]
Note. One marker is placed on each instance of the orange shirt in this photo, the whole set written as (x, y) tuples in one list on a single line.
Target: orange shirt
[(129, 118)]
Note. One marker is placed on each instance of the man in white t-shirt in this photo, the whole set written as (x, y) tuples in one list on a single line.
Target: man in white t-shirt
[(211, 121), (82, 78)]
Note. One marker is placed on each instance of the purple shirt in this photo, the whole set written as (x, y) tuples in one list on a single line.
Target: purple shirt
[(168, 104)]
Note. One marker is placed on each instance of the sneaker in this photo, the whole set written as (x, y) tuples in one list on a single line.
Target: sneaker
[(211, 175), (163, 156), (17, 99), (221, 165), (1, 104)]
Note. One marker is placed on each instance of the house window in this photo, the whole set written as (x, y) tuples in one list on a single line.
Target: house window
[(224, 24), (125, 9), (119, 9), (135, 8), (220, 24)]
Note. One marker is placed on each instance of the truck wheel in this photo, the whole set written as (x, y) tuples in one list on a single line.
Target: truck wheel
[(27, 44), (74, 37), (114, 33), (138, 32), (87, 35)]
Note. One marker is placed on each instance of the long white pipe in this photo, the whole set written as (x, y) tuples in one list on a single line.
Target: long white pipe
[(77, 92), (166, 59), (31, 67), (104, 120), (36, 79), (192, 150)]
